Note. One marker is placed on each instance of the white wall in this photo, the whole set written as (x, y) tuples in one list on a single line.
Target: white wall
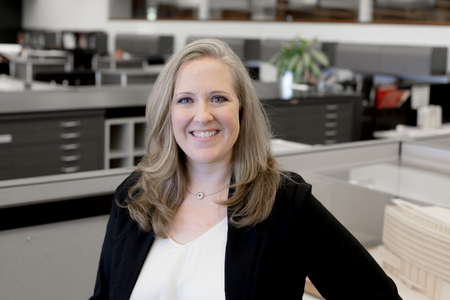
[(93, 15)]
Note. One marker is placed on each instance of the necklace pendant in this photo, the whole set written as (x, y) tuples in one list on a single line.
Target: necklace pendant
[(200, 195)]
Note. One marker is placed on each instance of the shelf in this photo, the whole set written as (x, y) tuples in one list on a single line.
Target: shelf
[(124, 142)]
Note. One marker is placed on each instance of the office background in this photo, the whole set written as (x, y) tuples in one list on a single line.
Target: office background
[(84, 15), (94, 15)]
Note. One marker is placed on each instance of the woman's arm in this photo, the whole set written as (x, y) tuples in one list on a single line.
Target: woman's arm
[(338, 265)]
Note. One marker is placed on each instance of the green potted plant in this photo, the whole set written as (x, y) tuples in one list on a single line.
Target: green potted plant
[(297, 56)]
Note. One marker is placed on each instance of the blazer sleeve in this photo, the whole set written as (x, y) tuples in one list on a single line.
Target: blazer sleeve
[(102, 284), (337, 264), (114, 232)]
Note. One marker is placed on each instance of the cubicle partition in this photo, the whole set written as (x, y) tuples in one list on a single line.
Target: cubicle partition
[(355, 181)]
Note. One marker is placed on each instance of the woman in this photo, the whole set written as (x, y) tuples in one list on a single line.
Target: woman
[(209, 216)]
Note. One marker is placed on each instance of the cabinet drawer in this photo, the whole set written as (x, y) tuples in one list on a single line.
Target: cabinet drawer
[(49, 169), (50, 143), (320, 123), (35, 155), (47, 131)]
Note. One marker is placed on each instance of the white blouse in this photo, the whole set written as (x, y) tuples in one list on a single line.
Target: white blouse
[(195, 270)]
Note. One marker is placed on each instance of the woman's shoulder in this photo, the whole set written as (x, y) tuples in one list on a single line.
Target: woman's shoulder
[(121, 194), (293, 191), (291, 180)]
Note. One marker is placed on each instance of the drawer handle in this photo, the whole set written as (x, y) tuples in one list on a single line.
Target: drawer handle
[(72, 135), (332, 107), (331, 116), (329, 142), (330, 133), (70, 146), (331, 124), (70, 169), (70, 124), (5, 138), (70, 158)]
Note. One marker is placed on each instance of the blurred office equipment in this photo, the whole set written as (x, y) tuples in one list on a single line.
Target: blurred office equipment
[(137, 59), (11, 84), (6, 51), (63, 57), (136, 51), (388, 103)]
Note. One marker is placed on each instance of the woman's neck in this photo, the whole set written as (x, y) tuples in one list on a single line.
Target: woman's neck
[(208, 178)]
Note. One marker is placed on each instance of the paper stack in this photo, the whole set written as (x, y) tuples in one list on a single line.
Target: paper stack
[(416, 247)]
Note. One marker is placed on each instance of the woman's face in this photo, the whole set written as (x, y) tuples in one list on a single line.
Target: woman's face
[(205, 111)]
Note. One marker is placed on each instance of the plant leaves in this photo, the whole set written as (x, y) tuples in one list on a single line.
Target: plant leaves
[(298, 71), (298, 77), (282, 65), (305, 43), (293, 62), (307, 59), (315, 69), (320, 57)]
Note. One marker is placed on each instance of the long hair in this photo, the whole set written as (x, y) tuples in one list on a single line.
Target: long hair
[(161, 188)]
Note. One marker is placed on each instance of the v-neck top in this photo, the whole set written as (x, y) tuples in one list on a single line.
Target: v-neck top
[(195, 270)]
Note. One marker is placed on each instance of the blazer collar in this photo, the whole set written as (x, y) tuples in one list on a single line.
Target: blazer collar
[(136, 247), (241, 259)]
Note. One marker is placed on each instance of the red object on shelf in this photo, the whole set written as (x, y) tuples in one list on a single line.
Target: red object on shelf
[(389, 96)]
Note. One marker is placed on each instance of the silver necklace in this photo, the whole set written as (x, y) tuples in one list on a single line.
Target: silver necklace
[(201, 195)]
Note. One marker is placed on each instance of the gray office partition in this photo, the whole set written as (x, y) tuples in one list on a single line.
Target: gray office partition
[(388, 59)]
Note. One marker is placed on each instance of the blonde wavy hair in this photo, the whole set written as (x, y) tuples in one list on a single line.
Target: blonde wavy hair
[(161, 188)]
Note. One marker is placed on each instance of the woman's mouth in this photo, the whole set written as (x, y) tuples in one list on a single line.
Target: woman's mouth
[(204, 134)]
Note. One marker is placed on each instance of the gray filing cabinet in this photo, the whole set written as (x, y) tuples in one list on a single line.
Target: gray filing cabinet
[(41, 144)]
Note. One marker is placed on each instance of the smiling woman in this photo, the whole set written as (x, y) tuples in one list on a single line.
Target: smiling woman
[(208, 215), (205, 112)]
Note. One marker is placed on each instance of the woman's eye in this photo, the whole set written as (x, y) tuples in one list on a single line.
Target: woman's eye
[(219, 99), (185, 100)]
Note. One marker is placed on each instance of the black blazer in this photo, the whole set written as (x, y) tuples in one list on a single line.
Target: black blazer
[(267, 261)]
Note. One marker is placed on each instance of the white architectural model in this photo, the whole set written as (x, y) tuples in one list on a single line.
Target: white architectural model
[(417, 247)]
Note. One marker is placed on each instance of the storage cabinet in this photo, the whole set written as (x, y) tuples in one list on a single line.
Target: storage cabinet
[(317, 121), (50, 143), (124, 142)]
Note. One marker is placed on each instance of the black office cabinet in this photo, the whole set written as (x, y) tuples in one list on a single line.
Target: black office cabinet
[(312, 121), (50, 143)]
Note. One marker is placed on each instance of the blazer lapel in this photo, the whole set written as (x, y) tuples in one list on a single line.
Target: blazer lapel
[(136, 247), (241, 262)]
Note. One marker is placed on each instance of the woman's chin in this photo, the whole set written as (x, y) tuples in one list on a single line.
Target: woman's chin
[(208, 159)]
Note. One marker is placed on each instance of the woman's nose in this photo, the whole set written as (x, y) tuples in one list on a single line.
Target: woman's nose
[(203, 113)]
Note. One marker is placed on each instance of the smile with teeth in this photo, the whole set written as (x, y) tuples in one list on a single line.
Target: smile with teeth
[(204, 134)]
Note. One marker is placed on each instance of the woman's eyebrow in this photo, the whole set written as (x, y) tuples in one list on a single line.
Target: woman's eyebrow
[(212, 92), (219, 92), (183, 93)]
